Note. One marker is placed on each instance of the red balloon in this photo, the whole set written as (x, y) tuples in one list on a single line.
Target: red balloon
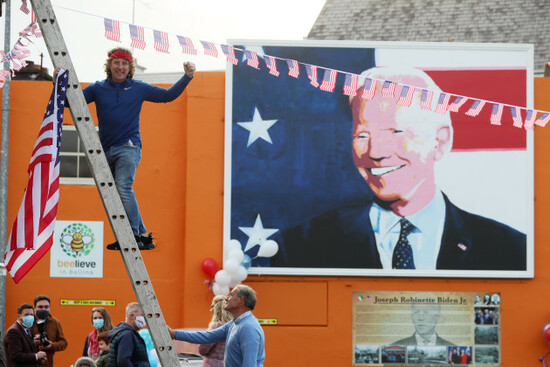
[(209, 267), (546, 333)]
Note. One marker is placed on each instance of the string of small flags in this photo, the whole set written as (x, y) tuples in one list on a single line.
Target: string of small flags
[(445, 101)]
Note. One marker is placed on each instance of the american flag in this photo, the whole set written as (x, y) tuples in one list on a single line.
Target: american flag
[(530, 119), (271, 64), (112, 29), (161, 41), (496, 113), (251, 58), (350, 84), (4, 74), (543, 119), (32, 233), (426, 99), (293, 68), (516, 116), (311, 71), (24, 7), (442, 102), (229, 52), (209, 49), (388, 89), (457, 103), (137, 35), (329, 80), (187, 45), (406, 96), (369, 88), (475, 108)]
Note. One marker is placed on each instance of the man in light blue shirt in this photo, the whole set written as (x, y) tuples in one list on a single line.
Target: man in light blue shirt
[(244, 337)]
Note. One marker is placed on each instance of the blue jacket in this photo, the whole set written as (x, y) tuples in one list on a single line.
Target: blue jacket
[(127, 348), (118, 106)]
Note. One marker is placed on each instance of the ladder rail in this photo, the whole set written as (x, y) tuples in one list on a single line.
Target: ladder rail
[(105, 184)]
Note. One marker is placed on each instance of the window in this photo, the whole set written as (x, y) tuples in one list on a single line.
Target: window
[(74, 168)]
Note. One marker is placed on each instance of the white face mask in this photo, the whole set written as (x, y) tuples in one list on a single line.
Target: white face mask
[(140, 322)]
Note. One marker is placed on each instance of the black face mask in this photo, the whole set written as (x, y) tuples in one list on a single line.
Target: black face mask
[(42, 314)]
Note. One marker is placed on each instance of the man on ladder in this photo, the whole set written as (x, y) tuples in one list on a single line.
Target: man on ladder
[(118, 102)]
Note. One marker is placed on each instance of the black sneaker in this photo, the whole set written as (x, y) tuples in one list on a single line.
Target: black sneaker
[(113, 246), (145, 242)]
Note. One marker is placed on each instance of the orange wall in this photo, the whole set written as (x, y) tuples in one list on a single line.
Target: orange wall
[(180, 191)]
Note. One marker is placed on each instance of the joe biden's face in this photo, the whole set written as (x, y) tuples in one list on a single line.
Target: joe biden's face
[(395, 150)]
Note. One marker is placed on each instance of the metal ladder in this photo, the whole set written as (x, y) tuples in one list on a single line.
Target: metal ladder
[(104, 181)]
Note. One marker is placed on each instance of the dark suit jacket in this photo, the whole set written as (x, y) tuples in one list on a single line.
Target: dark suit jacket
[(344, 239), (19, 348), (411, 340)]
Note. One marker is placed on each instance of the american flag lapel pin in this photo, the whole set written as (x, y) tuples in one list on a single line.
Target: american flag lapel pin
[(462, 246)]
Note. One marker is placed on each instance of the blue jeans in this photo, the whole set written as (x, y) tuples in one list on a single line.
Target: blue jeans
[(123, 161)]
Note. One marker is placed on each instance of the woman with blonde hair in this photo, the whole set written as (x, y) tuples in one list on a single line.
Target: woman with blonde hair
[(102, 323), (214, 353)]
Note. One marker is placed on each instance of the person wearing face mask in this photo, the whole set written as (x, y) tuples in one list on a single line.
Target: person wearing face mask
[(18, 341), (47, 330), (127, 347), (102, 323)]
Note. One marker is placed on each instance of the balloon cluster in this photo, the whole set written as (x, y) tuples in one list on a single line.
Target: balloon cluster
[(235, 266)]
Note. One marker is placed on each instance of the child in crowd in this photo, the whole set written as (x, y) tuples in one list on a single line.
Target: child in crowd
[(103, 341)]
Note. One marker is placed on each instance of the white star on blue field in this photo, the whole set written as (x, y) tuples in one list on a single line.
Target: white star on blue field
[(257, 234), (257, 128)]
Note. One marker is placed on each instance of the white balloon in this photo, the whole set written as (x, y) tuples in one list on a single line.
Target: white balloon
[(236, 254), (234, 245), (220, 290), (241, 274), (268, 248), (231, 266), (234, 282), (222, 277)]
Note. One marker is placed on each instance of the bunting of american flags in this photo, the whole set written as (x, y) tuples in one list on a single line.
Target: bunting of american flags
[(351, 81), (32, 232)]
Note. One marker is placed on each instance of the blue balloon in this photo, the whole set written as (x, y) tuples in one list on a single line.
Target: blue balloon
[(144, 333), (153, 358), (247, 262)]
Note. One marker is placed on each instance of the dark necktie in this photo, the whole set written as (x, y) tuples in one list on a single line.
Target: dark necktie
[(402, 253)]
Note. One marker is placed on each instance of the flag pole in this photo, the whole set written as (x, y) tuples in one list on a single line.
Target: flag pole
[(4, 153)]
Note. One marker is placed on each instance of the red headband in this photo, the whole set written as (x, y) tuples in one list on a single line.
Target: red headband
[(121, 55)]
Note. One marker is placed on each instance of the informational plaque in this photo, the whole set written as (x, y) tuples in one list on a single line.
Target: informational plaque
[(421, 328)]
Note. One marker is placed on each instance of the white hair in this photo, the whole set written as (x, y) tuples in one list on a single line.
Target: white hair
[(423, 121)]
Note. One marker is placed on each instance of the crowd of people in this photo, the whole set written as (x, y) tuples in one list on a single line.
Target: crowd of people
[(36, 336), (460, 356)]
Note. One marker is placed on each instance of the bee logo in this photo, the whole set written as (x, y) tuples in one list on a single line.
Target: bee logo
[(77, 241)]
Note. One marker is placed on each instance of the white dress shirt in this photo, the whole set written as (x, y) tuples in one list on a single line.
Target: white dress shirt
[(425, 239)]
